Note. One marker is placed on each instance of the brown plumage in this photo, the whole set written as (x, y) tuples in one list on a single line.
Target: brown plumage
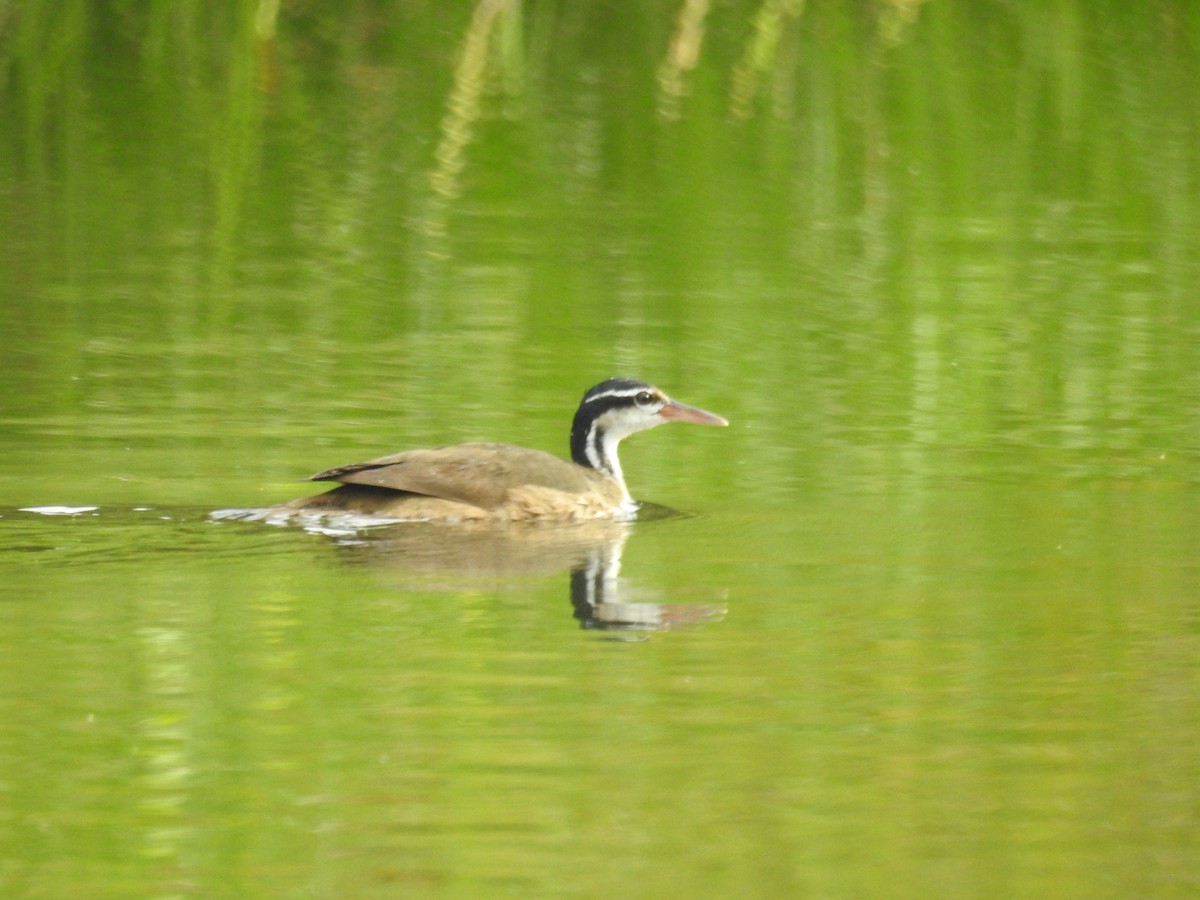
[(485, 481)]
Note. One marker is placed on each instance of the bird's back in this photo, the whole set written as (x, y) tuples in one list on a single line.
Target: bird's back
[(470, 481)]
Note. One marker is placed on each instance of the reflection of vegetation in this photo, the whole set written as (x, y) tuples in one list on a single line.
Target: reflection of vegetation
[(873, 170), (463, 104), (683, 55), (762, 53)]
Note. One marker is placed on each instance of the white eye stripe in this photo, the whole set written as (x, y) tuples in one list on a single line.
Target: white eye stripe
[(628, 392)]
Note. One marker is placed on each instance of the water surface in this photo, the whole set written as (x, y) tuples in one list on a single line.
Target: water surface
[(927, 624)]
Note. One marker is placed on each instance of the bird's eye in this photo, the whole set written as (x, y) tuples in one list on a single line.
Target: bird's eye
[(644, 398)]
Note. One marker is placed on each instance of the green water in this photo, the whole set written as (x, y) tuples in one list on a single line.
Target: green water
[(930, 625)]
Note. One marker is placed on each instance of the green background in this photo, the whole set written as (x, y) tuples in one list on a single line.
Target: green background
[(936, 262)]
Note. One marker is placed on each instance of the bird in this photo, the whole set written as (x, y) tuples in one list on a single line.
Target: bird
[(479, 481)]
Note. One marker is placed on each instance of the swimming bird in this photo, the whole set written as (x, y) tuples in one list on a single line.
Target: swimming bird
[(502, 482)]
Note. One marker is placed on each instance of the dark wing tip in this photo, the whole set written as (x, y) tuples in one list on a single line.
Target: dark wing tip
[(337, 473)]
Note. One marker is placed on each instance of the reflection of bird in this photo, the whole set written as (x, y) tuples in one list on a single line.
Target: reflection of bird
[(481, 481), (495, 557), (600, 599)]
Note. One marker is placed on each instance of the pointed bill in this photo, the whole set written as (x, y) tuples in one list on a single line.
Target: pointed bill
[(681, 412)]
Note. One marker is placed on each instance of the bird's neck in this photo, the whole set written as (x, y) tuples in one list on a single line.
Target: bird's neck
[(594, 447)]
